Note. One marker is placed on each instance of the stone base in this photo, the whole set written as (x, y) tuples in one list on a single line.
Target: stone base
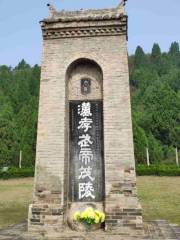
[(44, 218), (157, 230), (124, 219)]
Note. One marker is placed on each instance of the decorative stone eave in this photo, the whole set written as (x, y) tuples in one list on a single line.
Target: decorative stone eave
[(85, 23)]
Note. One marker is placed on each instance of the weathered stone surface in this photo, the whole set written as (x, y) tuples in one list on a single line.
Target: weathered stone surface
[(84, 44), (86, 15), (157, 230), (85, 23)]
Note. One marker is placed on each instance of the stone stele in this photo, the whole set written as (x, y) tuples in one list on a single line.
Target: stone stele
[(85, 63)]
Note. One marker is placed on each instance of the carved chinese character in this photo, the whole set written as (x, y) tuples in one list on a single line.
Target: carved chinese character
[(86, 155), (86, 173), (86, 190), (84, 110), (85, 124), (85, 140)]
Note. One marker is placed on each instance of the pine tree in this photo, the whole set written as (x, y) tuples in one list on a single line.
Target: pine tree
[(140, 58), (174, 49)]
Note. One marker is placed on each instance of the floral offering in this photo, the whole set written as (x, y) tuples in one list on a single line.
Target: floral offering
[(89, 216)]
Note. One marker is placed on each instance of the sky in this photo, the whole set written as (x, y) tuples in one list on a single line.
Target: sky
[(20, 33)]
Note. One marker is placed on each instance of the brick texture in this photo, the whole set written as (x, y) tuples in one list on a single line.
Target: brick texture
[(48, 211)]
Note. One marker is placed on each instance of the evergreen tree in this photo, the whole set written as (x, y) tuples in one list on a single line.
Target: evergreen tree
[(174, 49), (140, 144), (156, 54), (19, 90), (156, 103), (140, 58), (174, 54), (155, 150), (156, 58)]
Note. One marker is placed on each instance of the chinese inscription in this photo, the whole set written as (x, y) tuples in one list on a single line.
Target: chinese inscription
[(86, 151)]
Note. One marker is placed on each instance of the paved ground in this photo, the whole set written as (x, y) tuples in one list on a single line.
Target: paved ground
[(159, 230)]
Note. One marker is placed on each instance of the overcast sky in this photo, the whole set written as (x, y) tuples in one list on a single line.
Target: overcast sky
[(20, 34)]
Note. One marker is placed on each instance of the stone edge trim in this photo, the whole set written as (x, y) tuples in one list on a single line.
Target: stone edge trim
[(84, 32)]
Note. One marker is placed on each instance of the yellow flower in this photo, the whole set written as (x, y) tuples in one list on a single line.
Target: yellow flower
[(96, 219), (76, 216), (84, 214), (98, 212), (102, 217), (89, 209), (91, 214)]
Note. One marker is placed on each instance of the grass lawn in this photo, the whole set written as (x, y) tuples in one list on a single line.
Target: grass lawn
[(15, 196), (159, 196)]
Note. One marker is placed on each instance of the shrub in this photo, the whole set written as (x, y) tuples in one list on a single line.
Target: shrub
[(17, 173), (157, 170)]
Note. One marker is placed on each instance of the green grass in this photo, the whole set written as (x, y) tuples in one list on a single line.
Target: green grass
[(15, 196), (159, 196)]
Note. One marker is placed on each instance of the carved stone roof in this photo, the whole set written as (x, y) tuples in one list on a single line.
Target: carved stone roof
[(86, 15), (85, 23)]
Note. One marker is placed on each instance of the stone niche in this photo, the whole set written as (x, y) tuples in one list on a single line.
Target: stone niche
[(85, 140), (84, 144)]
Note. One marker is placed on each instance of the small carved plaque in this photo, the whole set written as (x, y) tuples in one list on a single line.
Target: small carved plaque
[(85, 86)]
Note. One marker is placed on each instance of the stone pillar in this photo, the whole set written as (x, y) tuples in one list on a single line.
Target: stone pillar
[(46, 212), (121, 203), (92, 44)]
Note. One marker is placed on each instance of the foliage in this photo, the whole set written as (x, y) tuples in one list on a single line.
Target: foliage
[(155, 96), (16, 173), (89, 216), (157, 170), (19, 90), (140, 143)]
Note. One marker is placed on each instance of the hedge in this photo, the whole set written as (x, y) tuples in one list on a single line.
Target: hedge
[(157, 170), (17, 173)]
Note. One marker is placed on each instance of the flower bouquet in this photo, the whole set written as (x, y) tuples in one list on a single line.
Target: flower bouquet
[(89, 216)]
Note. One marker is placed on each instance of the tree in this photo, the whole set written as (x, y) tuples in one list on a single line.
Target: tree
[(156, 54), (140, 58), (174, 49), (141, 78), (156, 58), (22, 65), (156, 100), (34, 81), (8, 143), (5, 79), (163, 108), (140, 142), (19, 90), (174, 54), (155, 150)]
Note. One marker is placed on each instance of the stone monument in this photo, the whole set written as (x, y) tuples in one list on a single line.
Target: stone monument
[(84, 144)]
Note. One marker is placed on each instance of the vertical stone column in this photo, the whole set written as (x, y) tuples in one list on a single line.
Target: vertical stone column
[(46, 212), (123, 210)]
